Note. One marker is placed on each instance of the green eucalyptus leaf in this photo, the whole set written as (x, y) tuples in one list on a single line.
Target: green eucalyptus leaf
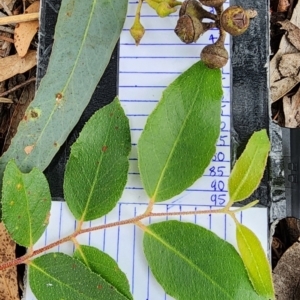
[(59, 276), (26, 203), (179, 139), (103, 265), (191, 262), (255, 261), (85, 36), (249, 168), (96, 172)]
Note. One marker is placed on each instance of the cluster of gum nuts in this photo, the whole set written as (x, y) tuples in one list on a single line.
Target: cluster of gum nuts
[(190, 26)]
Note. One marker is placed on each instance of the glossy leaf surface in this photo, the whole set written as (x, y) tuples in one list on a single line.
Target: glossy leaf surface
[(179, 139), (96, 172), (26, 203), (191, 262), (249, 168), (85, 36), (59, 276), (103, 265), (255, 260)]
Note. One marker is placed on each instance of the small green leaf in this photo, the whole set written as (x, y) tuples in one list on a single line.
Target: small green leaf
[(96, 172), (255, 261), (179, 139), (191, 262), (103, 265), (59, 276), (26, 203), (249, 168), (86, 34)]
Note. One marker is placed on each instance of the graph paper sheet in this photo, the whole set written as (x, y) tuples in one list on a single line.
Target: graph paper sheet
[(144, 72), (124, 243)]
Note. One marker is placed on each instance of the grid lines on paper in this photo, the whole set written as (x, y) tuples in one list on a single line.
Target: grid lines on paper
[(144, 72)]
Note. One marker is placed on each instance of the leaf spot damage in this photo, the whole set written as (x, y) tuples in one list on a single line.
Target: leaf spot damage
[(58, 99), (28, 149), (32, 114), (19, 186), (46, 222), (104, 148)]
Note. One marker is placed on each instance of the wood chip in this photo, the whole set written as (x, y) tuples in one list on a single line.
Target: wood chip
[(291, 109), (283, 5), (19, 18), (14, 64), (5, 100), (8, 277), (25, 32), (286, 275)]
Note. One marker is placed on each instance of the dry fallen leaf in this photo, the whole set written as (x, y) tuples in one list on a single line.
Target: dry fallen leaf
[(284, 48), (281, 87), (286, 275), (25, 31), (8, 277), (293, 33), (9, 4), (289, 65), (291, 109), (14, 64)]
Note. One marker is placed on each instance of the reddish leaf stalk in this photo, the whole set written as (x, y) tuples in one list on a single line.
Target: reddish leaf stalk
[(25, 258)]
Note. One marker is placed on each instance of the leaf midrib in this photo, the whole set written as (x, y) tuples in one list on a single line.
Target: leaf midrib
[(156, 191), (189, 262), (96, 174), (27, 211), (245, 177), (70, 77), (256, 265), (56, 280)]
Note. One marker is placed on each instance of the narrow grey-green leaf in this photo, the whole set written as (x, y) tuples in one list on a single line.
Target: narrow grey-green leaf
[(179, 139), (255, 260), (249, 168), (191, 262), (85, 36), (102, 264), (59, 276), (96, 172), (26, 203)]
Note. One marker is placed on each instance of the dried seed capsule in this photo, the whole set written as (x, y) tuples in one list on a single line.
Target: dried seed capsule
[(214, 56), (190, 28), (235, 19), (212, 3), (195, 9)]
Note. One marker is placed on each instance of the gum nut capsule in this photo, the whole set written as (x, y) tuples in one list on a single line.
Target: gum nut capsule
[(212, 3), (189, 29), (214, 56), (194, 8), (235, 20)]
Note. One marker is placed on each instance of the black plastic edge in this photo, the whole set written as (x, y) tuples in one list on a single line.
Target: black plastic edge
[(249, 93)]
